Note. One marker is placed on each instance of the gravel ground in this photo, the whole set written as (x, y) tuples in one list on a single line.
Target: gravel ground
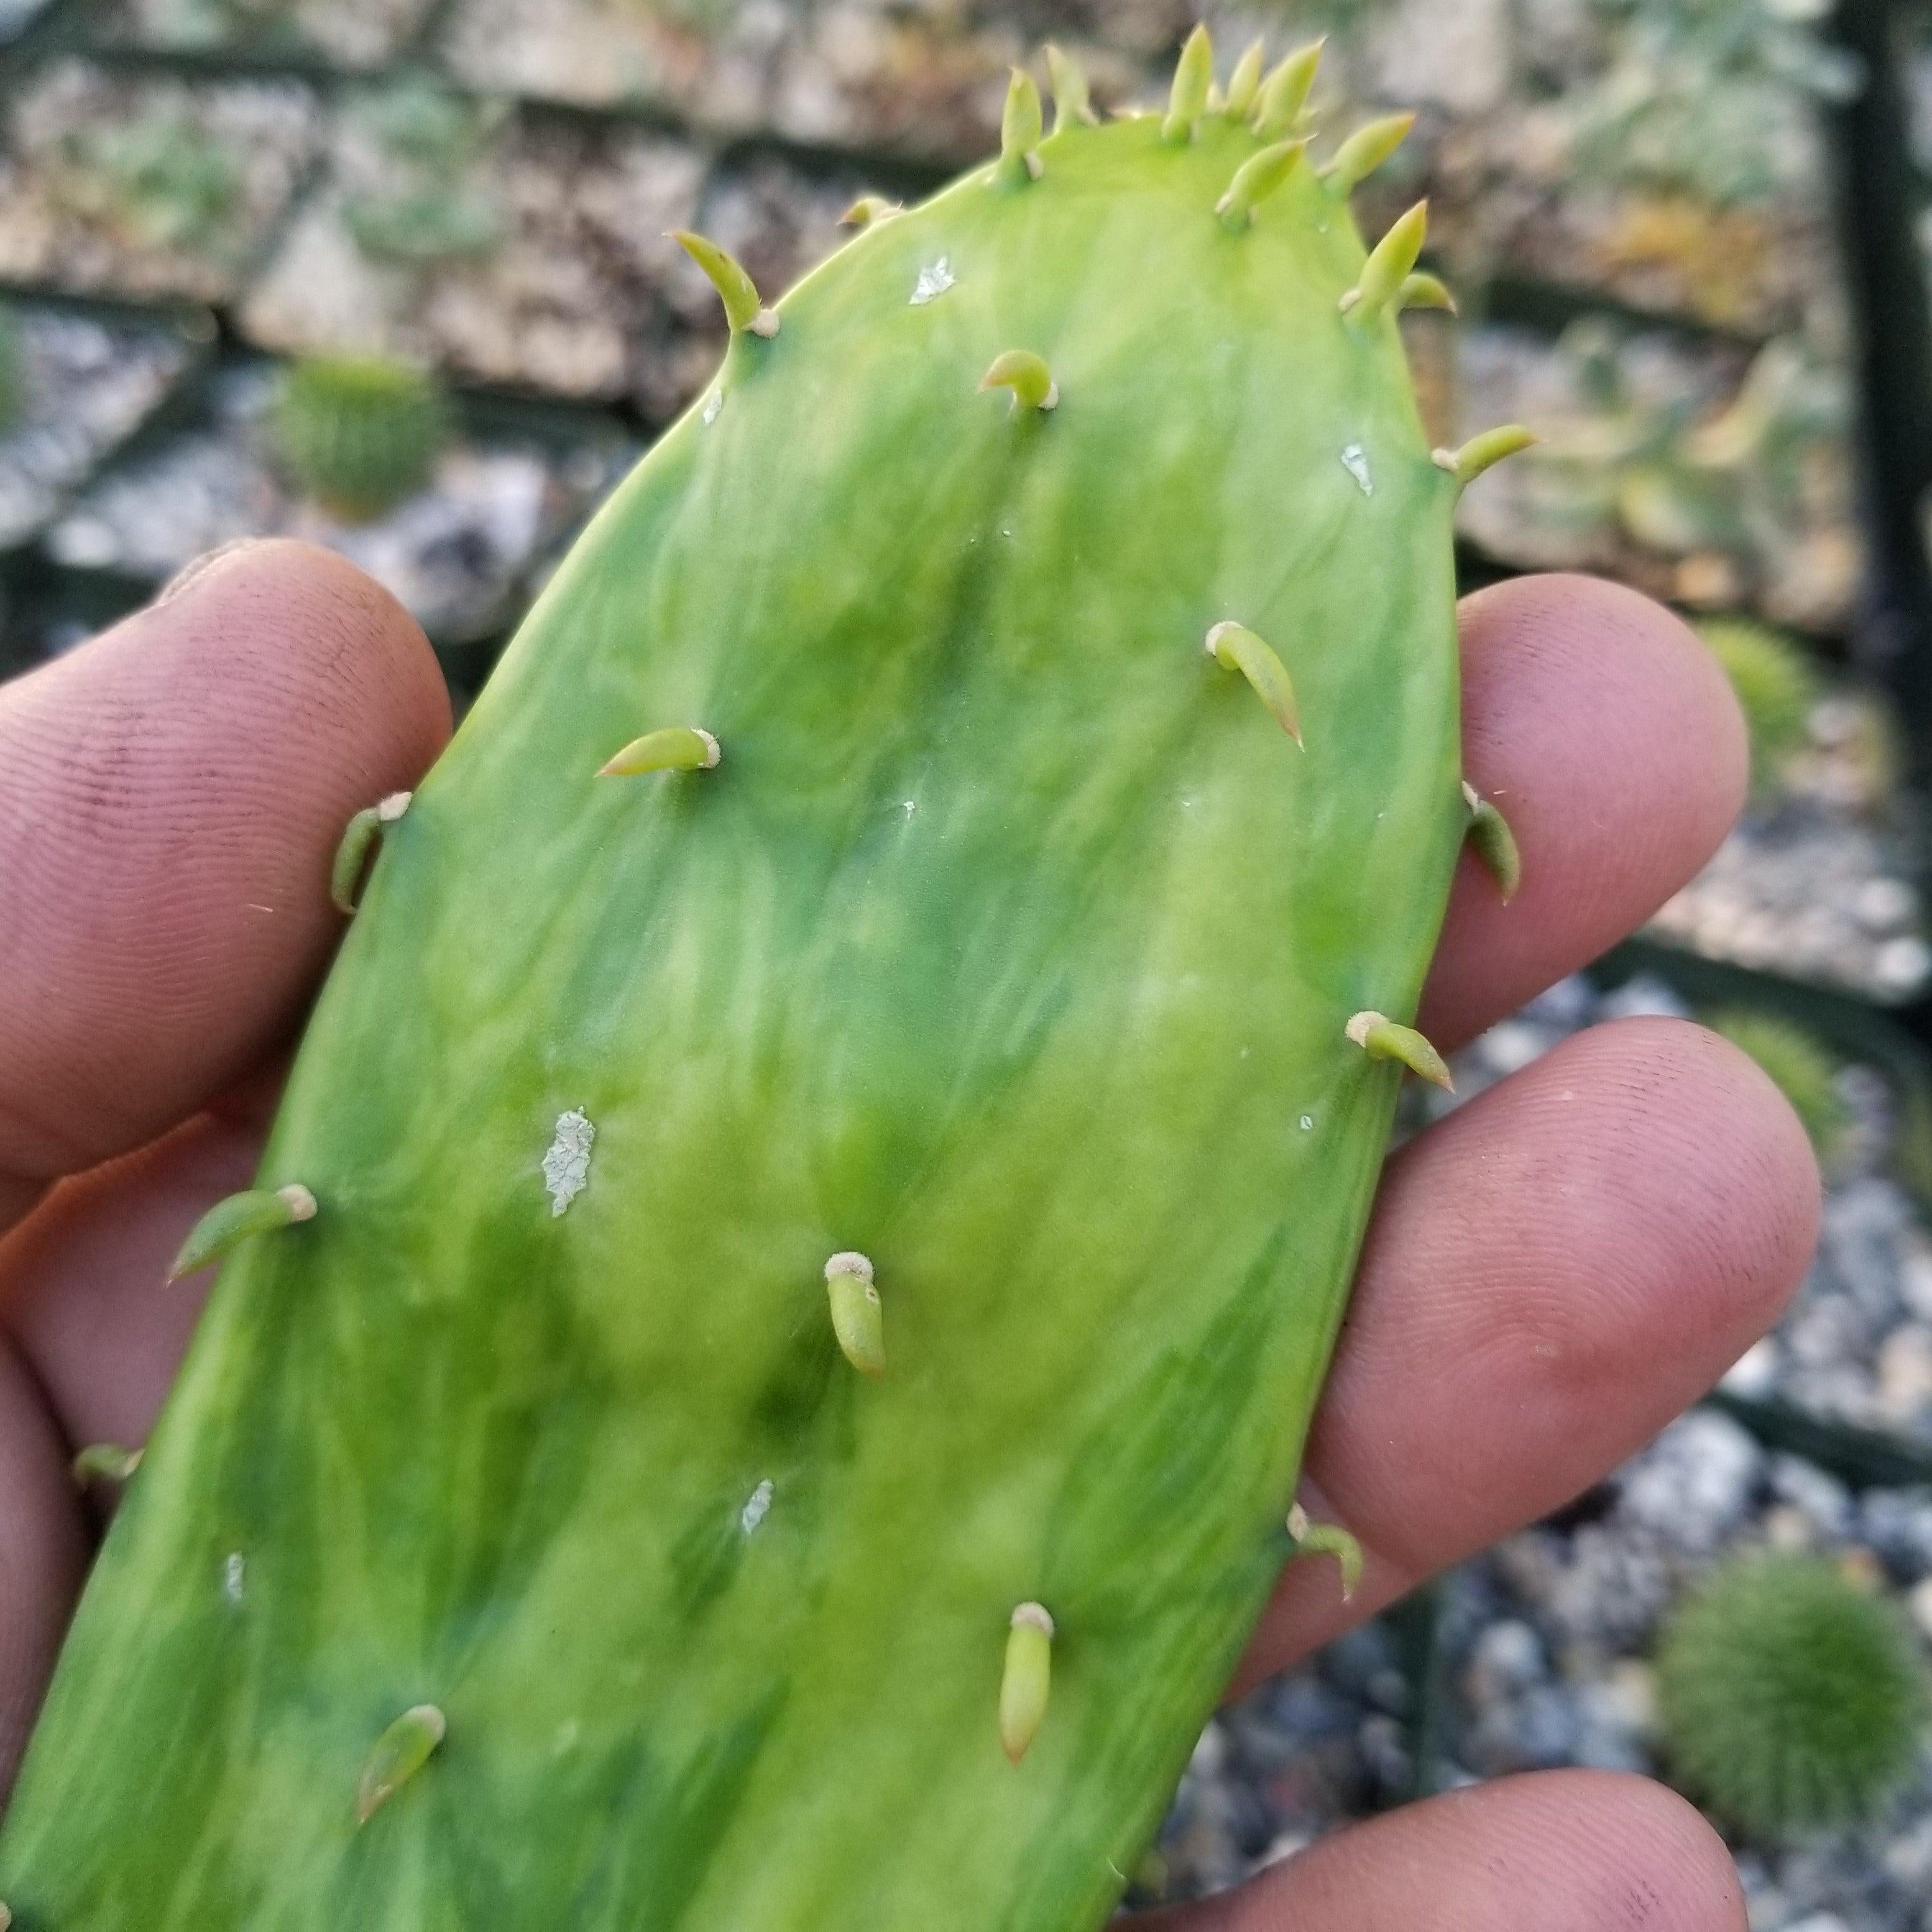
[(1815, 883), (146, 187), (89, 384), (1293, 1761), (15, 16), (458, 554)]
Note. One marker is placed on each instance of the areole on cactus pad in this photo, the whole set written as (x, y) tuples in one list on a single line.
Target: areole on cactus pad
[(762, 1385)]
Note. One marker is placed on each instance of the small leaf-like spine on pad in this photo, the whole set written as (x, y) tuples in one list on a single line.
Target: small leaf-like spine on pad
[(259, 1211), (1390, 263), (1380, 1038), (1284, 94), (1071, 101), (1484, 452), (677, 748), (105, 1463), (1193, 75), (1255, 180), (868, 209), (743, 308), (396, 1756), (858, 1320), (1028, 377), (1020, 127), (1027, 1679), (1365, 150), (1493, 842), (1234, 647), (1326, 1539), (359, 837), (1423, 290), (1245, 83)]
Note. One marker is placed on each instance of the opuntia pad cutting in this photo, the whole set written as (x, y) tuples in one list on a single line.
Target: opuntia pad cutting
[(761, 1383)]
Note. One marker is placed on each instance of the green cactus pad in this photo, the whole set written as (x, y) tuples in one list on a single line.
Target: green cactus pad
[(1792, 1698), (1010, 948)]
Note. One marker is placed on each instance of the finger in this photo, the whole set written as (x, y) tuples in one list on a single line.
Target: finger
[(81, 1280), (44, 1553), (170, 796), (1562, 1851), (1608, 737), (1552, 1273)]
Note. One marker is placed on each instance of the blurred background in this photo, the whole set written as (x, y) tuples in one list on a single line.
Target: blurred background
[(391, 274)]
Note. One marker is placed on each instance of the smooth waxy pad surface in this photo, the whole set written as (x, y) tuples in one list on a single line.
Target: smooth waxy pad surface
[(1011, 943)]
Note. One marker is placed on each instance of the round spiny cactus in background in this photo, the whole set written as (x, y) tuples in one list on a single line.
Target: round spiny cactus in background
[(1798, 1065), (1776, 689), (359, 434), (1792, 1699)]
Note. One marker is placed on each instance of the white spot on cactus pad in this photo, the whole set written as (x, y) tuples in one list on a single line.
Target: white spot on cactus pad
[(934, 280), (566, 1167), (1355, 461), (713, 405), (234, 1576), (1307, 1122), (759, 1502)]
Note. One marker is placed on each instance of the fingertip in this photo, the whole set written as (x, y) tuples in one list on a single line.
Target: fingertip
[(333, 617), (1672, 1853), (1663, 1188), (1706, 1126), (171, 795), (1602, 728), (1565, 1851)]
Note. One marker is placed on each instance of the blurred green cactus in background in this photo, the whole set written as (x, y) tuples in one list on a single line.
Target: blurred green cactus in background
[(1682, 476), (1776, 689), (1709, 97), (359, 433), (1798, 1065), (157, 181), (430, 204), (1792, 1697)]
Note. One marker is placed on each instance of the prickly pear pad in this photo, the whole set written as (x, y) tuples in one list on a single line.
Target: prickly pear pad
[(1011, 946)]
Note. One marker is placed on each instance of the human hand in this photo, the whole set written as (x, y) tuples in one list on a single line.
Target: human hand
[(1551, 1273)]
